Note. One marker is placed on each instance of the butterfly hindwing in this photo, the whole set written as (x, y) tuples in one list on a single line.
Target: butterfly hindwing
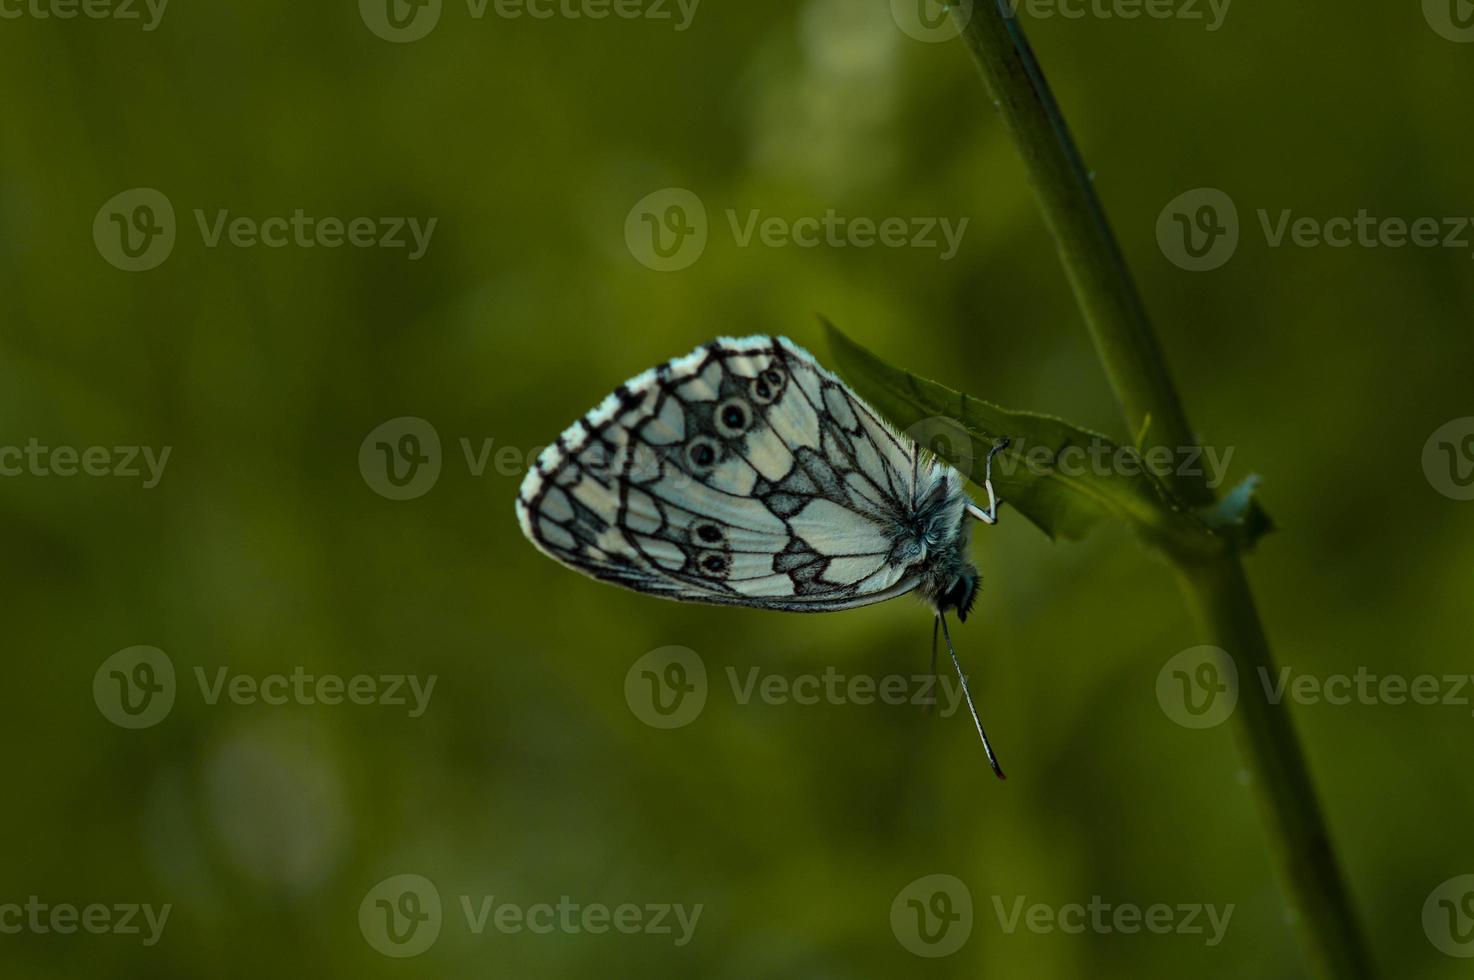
[(741, 474)]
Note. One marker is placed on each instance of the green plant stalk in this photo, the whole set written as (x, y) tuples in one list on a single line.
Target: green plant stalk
[(1217, 588)]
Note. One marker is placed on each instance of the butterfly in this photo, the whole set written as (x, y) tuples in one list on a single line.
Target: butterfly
[(745, 474)]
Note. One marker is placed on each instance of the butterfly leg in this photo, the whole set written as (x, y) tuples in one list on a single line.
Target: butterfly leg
[(989, 516)]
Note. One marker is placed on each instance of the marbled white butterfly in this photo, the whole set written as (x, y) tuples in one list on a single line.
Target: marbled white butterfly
[(745, 474)]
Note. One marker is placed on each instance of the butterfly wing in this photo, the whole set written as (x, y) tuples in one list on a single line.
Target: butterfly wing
[(741, 474)]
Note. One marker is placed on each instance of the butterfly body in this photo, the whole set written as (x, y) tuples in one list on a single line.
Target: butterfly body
[(746, 474)]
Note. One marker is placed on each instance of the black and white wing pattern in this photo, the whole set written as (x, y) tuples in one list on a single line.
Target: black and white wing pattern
[(742, 474)]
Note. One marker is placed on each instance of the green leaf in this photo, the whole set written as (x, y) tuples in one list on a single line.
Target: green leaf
[(1062, 478)]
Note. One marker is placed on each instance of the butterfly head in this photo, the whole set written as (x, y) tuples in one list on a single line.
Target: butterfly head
[(962, 593)]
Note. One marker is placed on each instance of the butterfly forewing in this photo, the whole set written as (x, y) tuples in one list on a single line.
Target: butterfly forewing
[(741, 474)]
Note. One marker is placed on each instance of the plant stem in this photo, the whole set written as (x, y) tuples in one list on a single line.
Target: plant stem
[(1217, 588), (1219, 593), (1092, 260)]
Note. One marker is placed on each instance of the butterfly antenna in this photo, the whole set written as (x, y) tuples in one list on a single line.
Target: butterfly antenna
[(987, 746)]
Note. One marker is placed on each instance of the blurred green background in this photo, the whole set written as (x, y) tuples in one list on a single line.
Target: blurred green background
[(264, 547)]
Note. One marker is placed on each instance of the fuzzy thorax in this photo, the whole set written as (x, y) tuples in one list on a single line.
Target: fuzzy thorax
[(949, 579)]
